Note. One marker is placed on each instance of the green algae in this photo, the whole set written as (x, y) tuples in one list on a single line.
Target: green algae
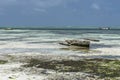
[(3, 61), (100, 67)]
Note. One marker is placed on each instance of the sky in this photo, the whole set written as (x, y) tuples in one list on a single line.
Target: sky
[(60, 13)]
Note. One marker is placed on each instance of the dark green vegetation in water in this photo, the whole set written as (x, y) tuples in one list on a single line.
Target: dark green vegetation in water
[(3, 61), (100, 67)]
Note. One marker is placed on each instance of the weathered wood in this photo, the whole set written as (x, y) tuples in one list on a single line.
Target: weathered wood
[(76, 43)]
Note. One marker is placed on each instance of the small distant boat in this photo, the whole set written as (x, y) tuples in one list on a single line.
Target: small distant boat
[(105, 28), (8, 29)]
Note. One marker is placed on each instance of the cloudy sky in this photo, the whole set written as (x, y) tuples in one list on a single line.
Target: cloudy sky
[(59, 12)]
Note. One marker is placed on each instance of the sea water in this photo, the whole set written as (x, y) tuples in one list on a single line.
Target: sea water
[(47, 42)]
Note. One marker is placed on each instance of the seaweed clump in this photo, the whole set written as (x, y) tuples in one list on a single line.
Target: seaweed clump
[(3, 61), (100, 67)]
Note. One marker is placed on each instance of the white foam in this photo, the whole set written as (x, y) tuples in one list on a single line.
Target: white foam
[(7, 74), (24, 45)]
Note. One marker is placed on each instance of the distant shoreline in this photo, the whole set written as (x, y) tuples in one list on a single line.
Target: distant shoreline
[(58, 28)]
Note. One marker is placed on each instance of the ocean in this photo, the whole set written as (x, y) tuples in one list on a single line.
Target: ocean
[(21, 41)]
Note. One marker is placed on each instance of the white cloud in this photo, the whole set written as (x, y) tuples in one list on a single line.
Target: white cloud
[(39, 3), (32, 6), (48, 3), (95, 6)]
